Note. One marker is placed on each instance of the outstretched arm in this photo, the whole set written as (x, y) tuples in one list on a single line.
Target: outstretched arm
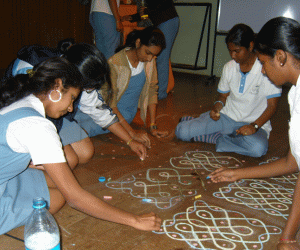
[(84, 201), (138, 136), (135, 146), (293, 222), (286, 165)]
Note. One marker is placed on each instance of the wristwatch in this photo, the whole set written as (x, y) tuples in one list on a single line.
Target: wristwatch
[(153, 126), (255, 126)]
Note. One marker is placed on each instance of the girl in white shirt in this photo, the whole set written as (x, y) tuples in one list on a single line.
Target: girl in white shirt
[(25, 100), (278, 46)]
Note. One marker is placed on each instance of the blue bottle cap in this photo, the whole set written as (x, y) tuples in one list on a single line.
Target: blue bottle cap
[(102, 179), (39, 203)]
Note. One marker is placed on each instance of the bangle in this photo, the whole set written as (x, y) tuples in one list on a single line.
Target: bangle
[(129, 141), (286, 241), (219, 102)]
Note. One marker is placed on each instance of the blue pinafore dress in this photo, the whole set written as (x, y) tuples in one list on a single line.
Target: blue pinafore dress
[(19, 185), (129, 101)]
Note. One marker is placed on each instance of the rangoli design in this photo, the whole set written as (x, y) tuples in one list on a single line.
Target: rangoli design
[(203, 226), (258, 194), (167, 186)]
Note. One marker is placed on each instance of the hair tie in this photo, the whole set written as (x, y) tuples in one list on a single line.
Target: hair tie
[(30, 72)]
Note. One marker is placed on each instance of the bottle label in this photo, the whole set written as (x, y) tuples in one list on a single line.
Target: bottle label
[(54, 248)]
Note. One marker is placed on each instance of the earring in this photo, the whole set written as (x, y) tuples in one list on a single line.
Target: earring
[(281, 64), (51, 97)]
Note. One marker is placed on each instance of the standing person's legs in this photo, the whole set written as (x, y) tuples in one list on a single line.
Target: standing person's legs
[(170, 29), (106, 36)]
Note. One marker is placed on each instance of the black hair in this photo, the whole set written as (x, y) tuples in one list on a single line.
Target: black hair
[(91, 63), (41, 81), (240, 35), (279, 33), (63, 45), (149, 36)]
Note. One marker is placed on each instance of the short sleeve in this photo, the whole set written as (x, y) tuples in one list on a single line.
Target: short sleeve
[(38, 137), (224, 86), (94, 105), (271, 90)]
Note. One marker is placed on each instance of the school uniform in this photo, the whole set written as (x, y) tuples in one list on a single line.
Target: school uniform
[(294, 132), (133, 88), (25, 135), (89, 107), (247, 101), (93, 114)]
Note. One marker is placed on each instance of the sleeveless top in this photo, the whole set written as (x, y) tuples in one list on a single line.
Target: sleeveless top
[(19, 185)]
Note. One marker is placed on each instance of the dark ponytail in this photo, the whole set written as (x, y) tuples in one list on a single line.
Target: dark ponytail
[(240, 35), (40, 81), (279, 33), (91, 63), (149, 36), (64, 45)]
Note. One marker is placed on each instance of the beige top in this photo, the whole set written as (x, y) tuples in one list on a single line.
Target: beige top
[(120, 77)]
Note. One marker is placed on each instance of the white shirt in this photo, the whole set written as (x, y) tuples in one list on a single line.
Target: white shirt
[(35, 135), (139, 68), (102, 6), (97, 109), (89, 102), (248, 93), (294, 131)]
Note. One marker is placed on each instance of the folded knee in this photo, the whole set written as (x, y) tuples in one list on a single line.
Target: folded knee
[(258, 149), (182, 133)]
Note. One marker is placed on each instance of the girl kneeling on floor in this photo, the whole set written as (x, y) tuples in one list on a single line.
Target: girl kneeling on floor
[(25, 100), (134, 79)]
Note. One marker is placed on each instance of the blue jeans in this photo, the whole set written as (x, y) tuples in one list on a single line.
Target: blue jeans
[(106, 36), (170, 30), (255, 145)]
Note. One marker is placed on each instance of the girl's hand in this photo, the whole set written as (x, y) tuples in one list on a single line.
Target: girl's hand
[(139, 149), (288, 246), (246, 130), (214, 114), (147, 222), (223, 174), (142, 137), (158, 133)]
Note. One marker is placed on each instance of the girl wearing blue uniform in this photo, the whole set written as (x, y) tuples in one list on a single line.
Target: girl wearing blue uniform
[(74, 129), (26, 134), (134, 78), (240, 119), (278, 46)]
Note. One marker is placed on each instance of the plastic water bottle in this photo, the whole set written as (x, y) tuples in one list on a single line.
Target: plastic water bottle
[(41, 230)]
